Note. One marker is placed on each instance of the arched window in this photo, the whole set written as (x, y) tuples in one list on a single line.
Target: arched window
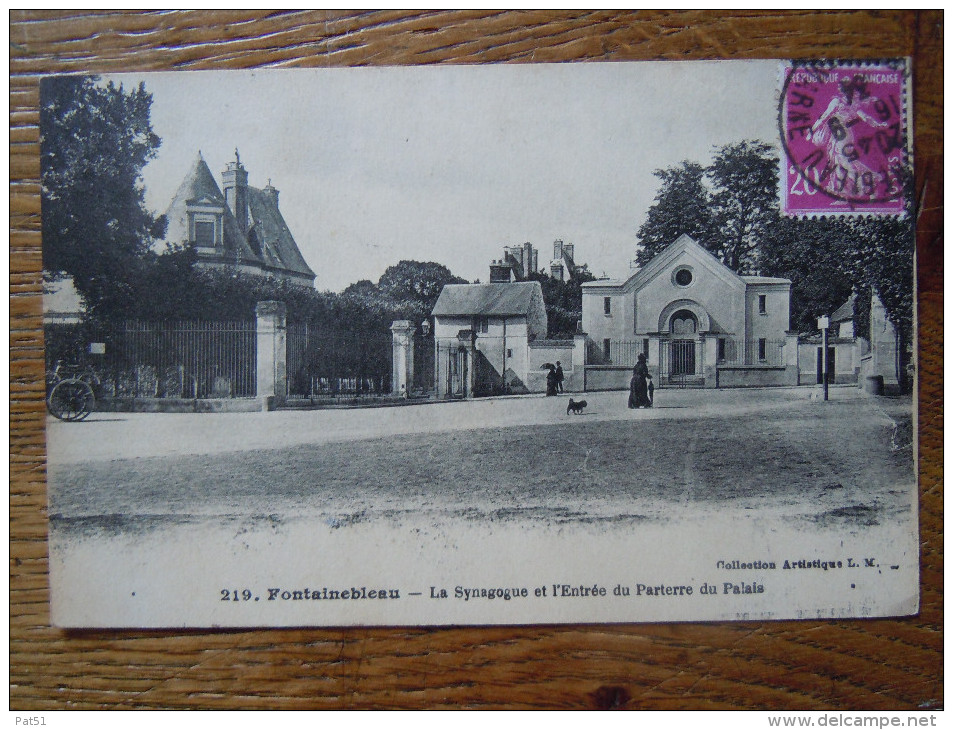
[(684, 323)]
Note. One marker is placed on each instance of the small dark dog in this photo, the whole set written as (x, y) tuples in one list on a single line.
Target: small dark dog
[(575, 406)]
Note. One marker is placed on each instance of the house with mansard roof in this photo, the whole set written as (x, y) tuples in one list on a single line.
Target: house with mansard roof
[(236, 226)]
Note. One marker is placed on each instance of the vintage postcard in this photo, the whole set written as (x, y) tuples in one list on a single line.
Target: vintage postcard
[(519, 344)]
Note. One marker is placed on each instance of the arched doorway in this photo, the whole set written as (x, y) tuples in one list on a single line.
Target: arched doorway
[(683, 328)]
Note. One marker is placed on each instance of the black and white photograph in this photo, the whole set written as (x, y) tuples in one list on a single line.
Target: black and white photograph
[(475, 345)]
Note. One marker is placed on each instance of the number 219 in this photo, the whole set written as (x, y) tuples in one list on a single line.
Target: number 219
[(233, 595)]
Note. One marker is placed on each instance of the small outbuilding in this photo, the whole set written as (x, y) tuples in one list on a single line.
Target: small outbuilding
[(482, 336)]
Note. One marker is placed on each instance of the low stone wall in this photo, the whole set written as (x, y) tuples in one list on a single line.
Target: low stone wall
[(608, 377), (810, 378), (753, 377), (551, 351), (184, 405)]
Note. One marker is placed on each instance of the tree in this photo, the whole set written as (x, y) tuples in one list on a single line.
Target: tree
[(885, 267), (563, 302), (682, 205), (744, 202), (364, 287), (416, 281), (817, 256), (95, 140)]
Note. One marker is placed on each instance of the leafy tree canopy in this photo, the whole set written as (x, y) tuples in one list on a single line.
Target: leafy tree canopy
[(682, 205), (727, 207), (95, 140), (416, 281), (563, 301), (744, 202)]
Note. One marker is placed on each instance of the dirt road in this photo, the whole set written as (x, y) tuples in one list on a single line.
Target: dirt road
[(109, 436)]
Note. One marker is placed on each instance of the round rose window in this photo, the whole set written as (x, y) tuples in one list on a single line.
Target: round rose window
[(683, 277)]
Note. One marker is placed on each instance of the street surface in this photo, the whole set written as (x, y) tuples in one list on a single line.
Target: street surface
[(109, 436)]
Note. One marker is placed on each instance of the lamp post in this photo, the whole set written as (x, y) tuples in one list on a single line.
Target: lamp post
[(425, 329), (823, 324)]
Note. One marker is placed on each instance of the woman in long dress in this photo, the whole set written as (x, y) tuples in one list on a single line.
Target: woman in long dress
[(639, 385), (551, 380)]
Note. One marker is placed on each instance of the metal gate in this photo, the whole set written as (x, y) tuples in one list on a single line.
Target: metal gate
[(681, 363), (424, 363), (683, 357)]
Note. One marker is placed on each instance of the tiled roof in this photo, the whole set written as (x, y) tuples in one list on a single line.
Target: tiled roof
[(498, 300), (268, 228), (845, 311), (269, 242), (765, 280)]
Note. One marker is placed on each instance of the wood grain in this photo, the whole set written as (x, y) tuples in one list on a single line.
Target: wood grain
[(869, 664)]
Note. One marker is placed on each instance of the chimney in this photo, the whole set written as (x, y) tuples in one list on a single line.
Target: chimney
[(499, 272), (235, 183), (271, 193), (557, 249), (569, 250), (556, 271), (529, 259)]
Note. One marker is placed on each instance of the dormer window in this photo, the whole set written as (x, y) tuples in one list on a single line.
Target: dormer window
[(205, 224), (205, 234)]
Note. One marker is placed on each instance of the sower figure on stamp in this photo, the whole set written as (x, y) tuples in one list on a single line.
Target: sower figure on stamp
[(833, 127), (639, 385)]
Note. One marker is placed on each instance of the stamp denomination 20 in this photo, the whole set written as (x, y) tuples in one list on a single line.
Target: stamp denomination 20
[(844, 132)]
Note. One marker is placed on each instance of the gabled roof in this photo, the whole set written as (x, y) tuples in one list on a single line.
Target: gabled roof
[(670, 253), (665, 257), (845, 311), (483, 300)]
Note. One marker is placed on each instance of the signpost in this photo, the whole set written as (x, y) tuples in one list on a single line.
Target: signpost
[(823, 324)]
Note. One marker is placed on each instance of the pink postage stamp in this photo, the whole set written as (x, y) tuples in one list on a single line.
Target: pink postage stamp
[(844, 132)]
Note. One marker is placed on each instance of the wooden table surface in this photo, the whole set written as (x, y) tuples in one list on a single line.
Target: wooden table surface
[(862, 664)]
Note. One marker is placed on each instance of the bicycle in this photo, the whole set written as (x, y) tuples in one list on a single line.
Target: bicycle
[(71, 395)]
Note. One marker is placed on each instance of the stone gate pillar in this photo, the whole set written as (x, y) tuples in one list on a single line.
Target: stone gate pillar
[(709, 346), (792, 371), (658, 357), (578, 382), (402, 371), (271, 369)]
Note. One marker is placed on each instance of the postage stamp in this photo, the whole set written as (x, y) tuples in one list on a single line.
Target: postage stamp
[(844, 132)]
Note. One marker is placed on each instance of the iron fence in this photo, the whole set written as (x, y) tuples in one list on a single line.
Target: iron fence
[(184, 359), (332, 363), (622, 353), (755, 352), (161, 359)]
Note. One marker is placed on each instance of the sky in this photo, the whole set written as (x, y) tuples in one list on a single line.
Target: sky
[(452, 163)]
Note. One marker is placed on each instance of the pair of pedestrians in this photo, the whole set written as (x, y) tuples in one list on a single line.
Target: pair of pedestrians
[(554, 379)]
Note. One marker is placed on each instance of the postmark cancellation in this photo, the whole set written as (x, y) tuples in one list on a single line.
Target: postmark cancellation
[(844, 132)]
